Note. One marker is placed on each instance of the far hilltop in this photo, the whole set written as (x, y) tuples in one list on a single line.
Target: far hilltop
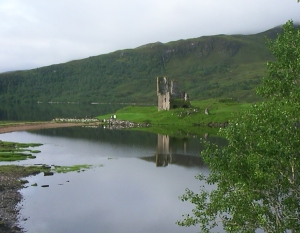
[(217, 66)]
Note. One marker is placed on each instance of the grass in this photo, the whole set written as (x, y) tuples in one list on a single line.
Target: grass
[(9, 157), (13, 151), (221, 110), (182, 121)]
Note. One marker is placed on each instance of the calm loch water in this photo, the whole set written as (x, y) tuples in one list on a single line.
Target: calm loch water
[(133, 186)]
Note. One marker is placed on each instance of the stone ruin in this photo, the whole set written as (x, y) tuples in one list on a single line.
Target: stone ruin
[(169, 96)]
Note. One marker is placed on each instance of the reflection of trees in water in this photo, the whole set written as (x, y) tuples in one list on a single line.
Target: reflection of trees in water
[(114, 137)]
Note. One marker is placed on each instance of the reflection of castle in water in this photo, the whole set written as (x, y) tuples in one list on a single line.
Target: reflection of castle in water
[(175, 151), (163, 153)]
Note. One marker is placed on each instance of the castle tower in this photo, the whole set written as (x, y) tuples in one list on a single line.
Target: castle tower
[(163, 152), (163, 93)]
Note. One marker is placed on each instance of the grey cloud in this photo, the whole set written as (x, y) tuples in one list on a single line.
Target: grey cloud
[(37, 33)]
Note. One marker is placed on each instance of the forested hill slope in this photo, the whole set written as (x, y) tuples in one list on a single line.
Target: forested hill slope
[(205, 67)]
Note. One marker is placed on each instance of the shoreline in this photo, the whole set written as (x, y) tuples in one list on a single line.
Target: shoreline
[(10, 198), (11, 182), (12, 179), (40, 125)]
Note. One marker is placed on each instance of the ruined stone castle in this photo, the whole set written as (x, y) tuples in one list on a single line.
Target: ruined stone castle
[(169, 96)]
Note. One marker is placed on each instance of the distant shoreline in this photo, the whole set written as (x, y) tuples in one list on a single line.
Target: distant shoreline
[(39, 125)]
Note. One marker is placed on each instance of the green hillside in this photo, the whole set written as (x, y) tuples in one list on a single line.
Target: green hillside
[(206, 67)]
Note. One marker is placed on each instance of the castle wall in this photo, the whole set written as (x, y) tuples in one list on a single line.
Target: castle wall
[(163, 93), (174, 88), (163, 102)]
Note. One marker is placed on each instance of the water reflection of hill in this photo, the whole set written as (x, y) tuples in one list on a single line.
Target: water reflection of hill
[(130, 137), (117, 137), (166, 149)]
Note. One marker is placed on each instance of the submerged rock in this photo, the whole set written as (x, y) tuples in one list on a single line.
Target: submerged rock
[(48, 173)]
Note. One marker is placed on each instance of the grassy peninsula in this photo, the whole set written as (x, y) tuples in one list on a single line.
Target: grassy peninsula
[(220, 110), (182, 120)]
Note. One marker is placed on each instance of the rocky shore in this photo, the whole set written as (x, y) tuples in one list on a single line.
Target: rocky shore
[(10, 197), (11, 181), (122, 124)]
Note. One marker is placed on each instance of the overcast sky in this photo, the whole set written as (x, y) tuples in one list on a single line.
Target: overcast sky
[(37, 33)]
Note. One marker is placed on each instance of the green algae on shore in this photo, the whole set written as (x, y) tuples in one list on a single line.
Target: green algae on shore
[(14, 151), (78, 168)]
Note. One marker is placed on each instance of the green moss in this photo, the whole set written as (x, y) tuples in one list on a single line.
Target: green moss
[(35, 151), (11, 156), (13, 151)]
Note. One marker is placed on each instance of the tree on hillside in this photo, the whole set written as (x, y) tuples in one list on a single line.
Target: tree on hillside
[(283, 80), (256, 177)]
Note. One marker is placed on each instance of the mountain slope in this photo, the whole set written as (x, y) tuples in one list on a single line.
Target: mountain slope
[(205, 67)]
